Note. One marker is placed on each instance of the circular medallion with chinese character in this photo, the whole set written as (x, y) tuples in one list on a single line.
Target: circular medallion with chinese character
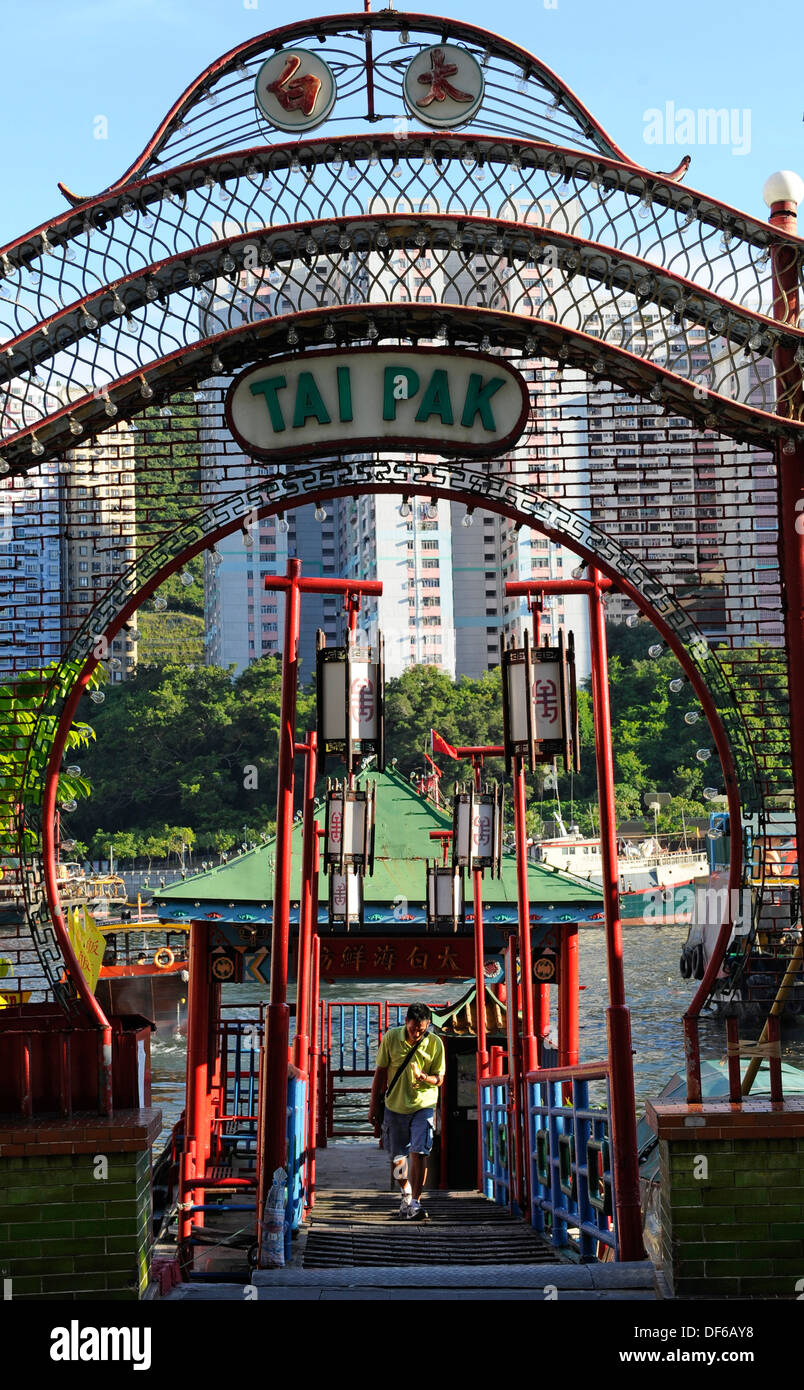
[(295, 90), (444, 86), (544, 968), (222, 968)]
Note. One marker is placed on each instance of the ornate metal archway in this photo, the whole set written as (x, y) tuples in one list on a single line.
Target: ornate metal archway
[(606, 283)]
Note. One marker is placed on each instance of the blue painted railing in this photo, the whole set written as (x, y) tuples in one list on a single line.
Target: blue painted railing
[(354, 1034), (297, 1156), (569, 1158), (496, 1132)]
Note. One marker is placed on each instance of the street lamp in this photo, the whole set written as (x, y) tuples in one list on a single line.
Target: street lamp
[(350, 682), (445, 897), (346, 898), (540, 706), (349, 837), (477, 817)]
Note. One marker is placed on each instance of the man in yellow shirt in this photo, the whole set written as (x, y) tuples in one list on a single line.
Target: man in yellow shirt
[(410, 1073)]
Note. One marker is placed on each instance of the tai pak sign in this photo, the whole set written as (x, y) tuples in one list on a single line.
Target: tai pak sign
[(406, 398)]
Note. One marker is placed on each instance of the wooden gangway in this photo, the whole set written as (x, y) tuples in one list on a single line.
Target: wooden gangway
[(354, 1245)]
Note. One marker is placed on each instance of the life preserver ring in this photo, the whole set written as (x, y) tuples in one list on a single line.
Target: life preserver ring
[(163, 958), (685, 965), (698, 966)]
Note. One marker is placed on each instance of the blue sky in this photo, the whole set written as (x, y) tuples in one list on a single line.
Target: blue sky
[(128, 60)]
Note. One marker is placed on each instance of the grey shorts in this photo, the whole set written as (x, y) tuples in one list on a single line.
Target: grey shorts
[(403, 1133)]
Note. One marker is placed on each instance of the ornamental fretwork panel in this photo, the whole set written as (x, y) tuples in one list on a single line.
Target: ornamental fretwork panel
[(638, 310)]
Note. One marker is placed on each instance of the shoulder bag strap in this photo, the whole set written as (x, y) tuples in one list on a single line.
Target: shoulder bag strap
[(400, 1069)]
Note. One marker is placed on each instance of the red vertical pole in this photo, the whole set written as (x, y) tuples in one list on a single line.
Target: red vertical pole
[(775, 1059), (790, 493), (542, 1021), (517, 1083), (733, 1054), (274, 1116), (529, 1052), (480, 993), (301, 1042), (313, 1070), (196, 1119), (618, 1020)]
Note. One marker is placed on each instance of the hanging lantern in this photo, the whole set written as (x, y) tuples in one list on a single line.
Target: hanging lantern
[(350, 682), (346, 898), (349, 838), (477, 819), (540, 704), (445, 900)]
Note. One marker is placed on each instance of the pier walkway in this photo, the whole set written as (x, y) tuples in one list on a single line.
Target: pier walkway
[(354, 1246)]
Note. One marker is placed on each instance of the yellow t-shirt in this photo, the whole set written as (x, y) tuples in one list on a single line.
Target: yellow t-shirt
[(407, 1095)]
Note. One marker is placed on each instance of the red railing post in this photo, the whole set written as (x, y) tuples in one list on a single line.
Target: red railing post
[(618, 1020), (775, 1058), (733, 1057), (529, 1047), (301, 1042), (313, 1077), (196, 1112)]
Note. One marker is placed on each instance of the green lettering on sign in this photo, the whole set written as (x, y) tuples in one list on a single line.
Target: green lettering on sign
[(436, 399), (269, 389), (478, 401), (399, 384), (309, 402), (345, 394)]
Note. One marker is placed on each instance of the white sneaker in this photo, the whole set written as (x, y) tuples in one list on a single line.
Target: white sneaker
[(404, 1205), (416, 1212)]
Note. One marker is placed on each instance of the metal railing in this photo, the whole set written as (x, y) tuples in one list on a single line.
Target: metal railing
[(352, 1037), (569, 1157), (495, 1118)]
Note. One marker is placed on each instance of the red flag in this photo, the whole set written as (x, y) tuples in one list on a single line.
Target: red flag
[(440, 745)]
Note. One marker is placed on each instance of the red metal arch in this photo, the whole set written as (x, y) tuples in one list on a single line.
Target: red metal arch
[(361, 23), (697, 683), (187, 366), (596, 262)]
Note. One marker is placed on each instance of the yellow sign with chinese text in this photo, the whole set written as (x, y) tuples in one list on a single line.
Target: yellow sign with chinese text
[(88, 943)]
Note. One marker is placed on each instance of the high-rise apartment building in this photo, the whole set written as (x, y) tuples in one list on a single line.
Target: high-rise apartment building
[(98, 503)]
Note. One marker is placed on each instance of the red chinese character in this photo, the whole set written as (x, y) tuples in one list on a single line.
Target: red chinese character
[(545, 696), (436, 80), (362, 699), (384, 957), (339, 892), (482, 829), (353, 956), (335, 825), (295, 93)]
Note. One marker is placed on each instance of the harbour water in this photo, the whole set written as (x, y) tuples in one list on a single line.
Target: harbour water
[(656, 993)]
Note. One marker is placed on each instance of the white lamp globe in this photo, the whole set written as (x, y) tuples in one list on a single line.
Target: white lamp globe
[(783, 187)]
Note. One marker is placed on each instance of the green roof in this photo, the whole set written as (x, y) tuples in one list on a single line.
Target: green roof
[(402, 843)]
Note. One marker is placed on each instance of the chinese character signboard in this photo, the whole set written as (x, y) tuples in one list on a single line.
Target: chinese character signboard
[(345, 898), (295, 90), (349, 838), (477, 818), (445, 899), (396, 957), (350, 685), (444, 86), (540, 708)]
